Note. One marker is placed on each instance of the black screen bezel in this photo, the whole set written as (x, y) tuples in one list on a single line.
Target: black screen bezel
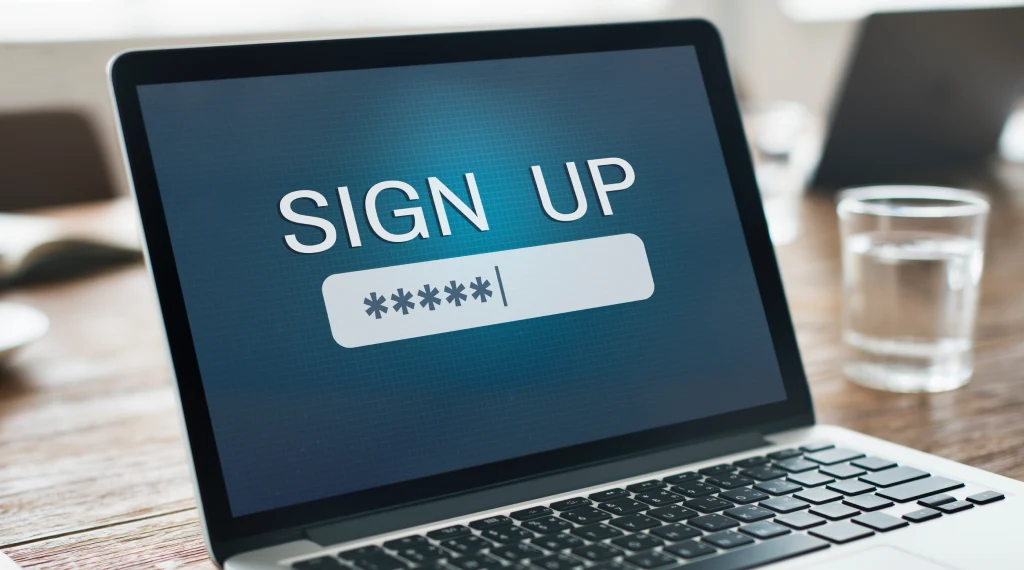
[(132, 69)]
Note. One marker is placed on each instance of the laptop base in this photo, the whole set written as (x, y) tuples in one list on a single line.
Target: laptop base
[(981, 535)]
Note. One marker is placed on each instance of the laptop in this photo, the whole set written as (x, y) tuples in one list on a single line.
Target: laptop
[(925, 94), (502, 300)]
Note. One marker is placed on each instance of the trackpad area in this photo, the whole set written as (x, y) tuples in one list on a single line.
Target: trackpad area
[(882, 557)]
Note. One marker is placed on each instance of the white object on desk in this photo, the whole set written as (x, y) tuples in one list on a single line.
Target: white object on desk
[(29, 241), (1011, 142), (6, 563), (19, 326)]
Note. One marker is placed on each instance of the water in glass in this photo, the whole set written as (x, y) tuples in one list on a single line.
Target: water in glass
[(911, 298)]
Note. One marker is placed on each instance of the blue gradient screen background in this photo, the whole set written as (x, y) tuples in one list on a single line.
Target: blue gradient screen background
[(297, 417)]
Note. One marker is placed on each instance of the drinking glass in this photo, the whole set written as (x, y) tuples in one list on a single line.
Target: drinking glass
[(912, 263)]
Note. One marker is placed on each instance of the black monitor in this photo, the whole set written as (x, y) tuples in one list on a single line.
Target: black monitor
[(925, 93)]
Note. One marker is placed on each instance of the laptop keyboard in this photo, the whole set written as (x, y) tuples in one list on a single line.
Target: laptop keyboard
[(752, 512)]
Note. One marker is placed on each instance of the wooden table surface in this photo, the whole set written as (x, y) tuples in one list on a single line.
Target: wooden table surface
[(92, 466)]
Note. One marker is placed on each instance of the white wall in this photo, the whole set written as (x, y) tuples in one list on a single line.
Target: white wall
[(773, 58)]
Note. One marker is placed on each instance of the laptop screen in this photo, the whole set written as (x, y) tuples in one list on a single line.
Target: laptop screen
[(396, 273)]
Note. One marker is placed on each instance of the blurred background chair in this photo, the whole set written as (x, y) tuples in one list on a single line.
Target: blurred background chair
[(50, 157)]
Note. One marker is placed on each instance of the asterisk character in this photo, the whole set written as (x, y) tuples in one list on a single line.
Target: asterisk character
[(481, 289), (376, 305), (429, 296), (455, 293), (402, 302)]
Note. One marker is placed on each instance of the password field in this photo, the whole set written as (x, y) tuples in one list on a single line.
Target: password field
[(420, 299)]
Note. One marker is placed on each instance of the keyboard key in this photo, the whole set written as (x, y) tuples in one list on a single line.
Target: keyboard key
[(820, 446), (800, 521), (764, 530), (569, 504), (713, 523), (608, 566), (850, 487), (596, 532), (361, 552), (641, 542), (842, 471), (749, 513), (784, 454), (818, 496), (438, 566), (778, 487), (894, 476), (921, 515), (867, 502), (435, 565), (986, 497), (811, 479), (557, 542), (517, 552), (880, 521), (690, 549), (758, 555), (833, 456), (507, 534), (546, 525), (532, 513), (763, 473), (796, 465), (744, 496), (490, 522), (635, 523), (834, 511), (873, 463), (917, 489), (675, 532), (558, 562), (730, 481), (420, 553), (449, 532), (645, 486), (658, 497), (727, 539), (716, 469), (585, 516), (623, 506), (751, 461), (405, 542), (784, 505), (708, 504), (681, 478), (476, 562), (955, 507), (596, 552), (936, 500), (649, 560), (380, 561), (602, 496), (672, 513), (841, 532), (466, 544), (695, 489), (322, 563)]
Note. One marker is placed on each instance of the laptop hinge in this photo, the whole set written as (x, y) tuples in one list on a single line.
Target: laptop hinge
[(365, 525)]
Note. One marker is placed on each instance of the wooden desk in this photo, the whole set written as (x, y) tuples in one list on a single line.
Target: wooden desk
[(93, 471)]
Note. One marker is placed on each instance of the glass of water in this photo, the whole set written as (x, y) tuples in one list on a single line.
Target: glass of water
[(912, 262)]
